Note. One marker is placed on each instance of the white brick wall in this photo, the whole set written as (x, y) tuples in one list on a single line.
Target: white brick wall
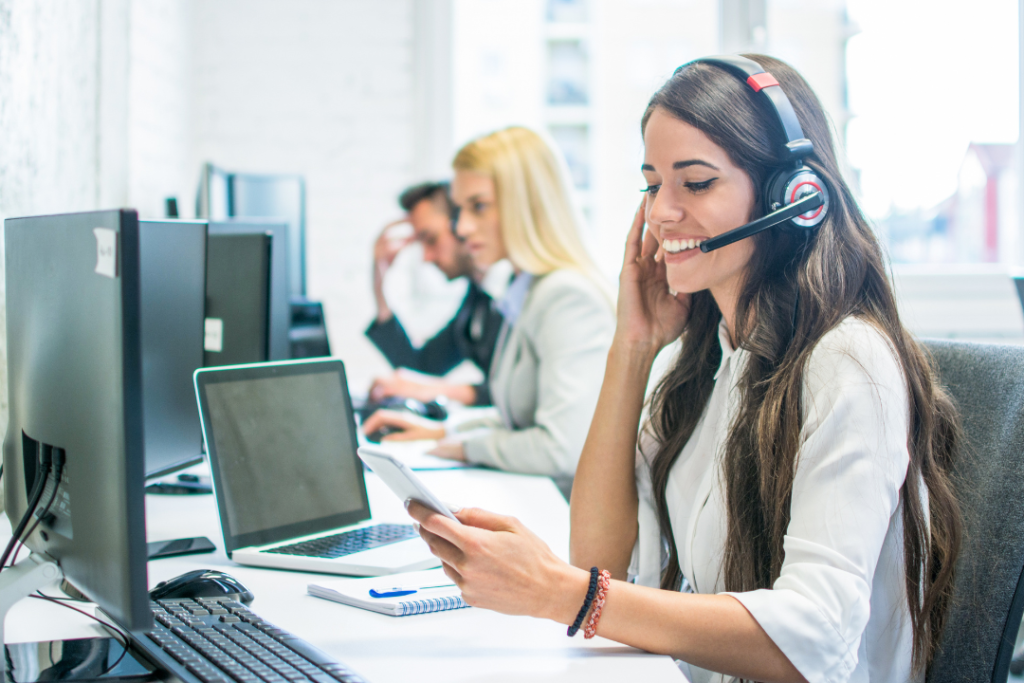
[(323, 88), (118, 102), (48, 108), (159, 107)]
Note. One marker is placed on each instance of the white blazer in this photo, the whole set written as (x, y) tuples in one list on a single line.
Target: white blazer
[(838, 610), (545, 377)]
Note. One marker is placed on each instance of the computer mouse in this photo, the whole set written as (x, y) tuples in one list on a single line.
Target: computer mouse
[(435, 410), (202, 583)]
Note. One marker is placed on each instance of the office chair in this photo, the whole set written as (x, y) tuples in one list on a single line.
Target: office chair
[(987, 383)]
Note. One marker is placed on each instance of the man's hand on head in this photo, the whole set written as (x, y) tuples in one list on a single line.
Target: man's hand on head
[(385, 249)]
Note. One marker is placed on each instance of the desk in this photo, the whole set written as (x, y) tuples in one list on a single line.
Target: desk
[(458, 646)]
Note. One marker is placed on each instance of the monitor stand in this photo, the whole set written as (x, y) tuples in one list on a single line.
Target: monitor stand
[(34, 573), (95, 659)]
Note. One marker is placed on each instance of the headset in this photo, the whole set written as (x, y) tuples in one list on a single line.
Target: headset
[(454, 211), (793, 195)]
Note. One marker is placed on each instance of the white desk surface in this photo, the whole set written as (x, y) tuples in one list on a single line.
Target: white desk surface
[(458, 646)]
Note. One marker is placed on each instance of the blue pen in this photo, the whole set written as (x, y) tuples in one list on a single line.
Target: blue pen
[(399, 591)]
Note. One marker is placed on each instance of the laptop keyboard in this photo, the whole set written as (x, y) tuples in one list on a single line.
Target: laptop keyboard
[(349, 542), (222, 641)]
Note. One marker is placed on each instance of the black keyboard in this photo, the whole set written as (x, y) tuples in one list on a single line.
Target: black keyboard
[(214, 640), (349, 542)]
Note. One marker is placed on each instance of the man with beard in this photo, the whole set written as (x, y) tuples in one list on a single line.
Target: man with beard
[(473, 331)]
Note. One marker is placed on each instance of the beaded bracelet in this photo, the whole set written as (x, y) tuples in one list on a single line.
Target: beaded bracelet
[(603, 584), (586, 604)]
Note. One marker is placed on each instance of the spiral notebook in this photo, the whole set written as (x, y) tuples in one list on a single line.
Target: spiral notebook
[(397, 595)]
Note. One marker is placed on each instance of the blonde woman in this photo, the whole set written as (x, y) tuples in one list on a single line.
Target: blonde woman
[(513, 202)]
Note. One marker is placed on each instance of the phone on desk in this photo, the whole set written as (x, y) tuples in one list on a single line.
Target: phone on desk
[(179, 546), (401, 480)]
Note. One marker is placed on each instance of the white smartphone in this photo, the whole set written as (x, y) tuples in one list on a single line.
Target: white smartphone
[(401, 480)]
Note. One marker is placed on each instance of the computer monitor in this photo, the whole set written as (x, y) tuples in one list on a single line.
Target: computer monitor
[(75, 378), (276, 196), (237, 298), (213, 200), (308, 333), (280, 310), (172, 272), (225, 195)]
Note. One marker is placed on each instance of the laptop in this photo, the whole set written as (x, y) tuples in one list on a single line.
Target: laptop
[(281, 438)]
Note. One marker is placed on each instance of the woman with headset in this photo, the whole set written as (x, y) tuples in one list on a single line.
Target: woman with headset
[(513, 202), (786, 513)]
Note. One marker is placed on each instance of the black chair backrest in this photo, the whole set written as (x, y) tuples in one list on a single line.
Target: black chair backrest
[(987, 383)]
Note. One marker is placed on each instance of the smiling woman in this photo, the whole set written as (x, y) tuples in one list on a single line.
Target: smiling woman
[(692, 200), (786, 513)]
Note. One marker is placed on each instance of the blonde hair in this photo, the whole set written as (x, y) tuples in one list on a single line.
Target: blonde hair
[(539, 224)]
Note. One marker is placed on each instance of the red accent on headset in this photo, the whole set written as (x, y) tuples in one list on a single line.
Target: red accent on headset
[(792, 198), (761, 80)]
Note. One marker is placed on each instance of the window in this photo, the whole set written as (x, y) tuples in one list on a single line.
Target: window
[(933, 88), (923, 95)]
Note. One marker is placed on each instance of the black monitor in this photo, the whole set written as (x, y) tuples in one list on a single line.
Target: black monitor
[(280, 310), (172, 258), (75, 376), (308, 333), (225, 195), (237, 328)]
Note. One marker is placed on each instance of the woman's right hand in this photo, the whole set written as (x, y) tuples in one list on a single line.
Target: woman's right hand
[(409, 427), (649, 316)]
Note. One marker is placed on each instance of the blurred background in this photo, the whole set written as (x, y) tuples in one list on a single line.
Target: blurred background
[(107, 103)]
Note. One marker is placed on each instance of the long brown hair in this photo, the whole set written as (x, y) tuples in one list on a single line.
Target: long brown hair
[(798, 287)]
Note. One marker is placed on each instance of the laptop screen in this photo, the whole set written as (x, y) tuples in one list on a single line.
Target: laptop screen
[(282, 448)]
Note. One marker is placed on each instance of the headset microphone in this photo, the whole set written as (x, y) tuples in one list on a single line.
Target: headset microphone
[(803, 205), (794, 195)]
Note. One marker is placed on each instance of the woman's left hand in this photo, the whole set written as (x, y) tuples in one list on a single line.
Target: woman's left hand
[(501, 565), (411, 427)]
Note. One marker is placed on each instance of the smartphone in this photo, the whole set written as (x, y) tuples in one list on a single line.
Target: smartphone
[(180, 546), (186, 484), (401, 480)]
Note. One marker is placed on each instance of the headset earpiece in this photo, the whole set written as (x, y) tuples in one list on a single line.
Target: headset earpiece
[(790, 185)]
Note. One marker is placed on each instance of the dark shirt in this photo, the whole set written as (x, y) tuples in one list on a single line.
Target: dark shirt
[(471, 334)]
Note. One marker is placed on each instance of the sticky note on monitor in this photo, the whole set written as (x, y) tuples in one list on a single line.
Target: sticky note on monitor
[(213, 337)]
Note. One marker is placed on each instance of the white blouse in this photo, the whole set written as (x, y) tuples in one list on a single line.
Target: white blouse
[(838, 610)]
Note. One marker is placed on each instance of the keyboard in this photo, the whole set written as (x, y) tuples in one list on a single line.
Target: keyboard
[(215, 640), (348, 542)]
